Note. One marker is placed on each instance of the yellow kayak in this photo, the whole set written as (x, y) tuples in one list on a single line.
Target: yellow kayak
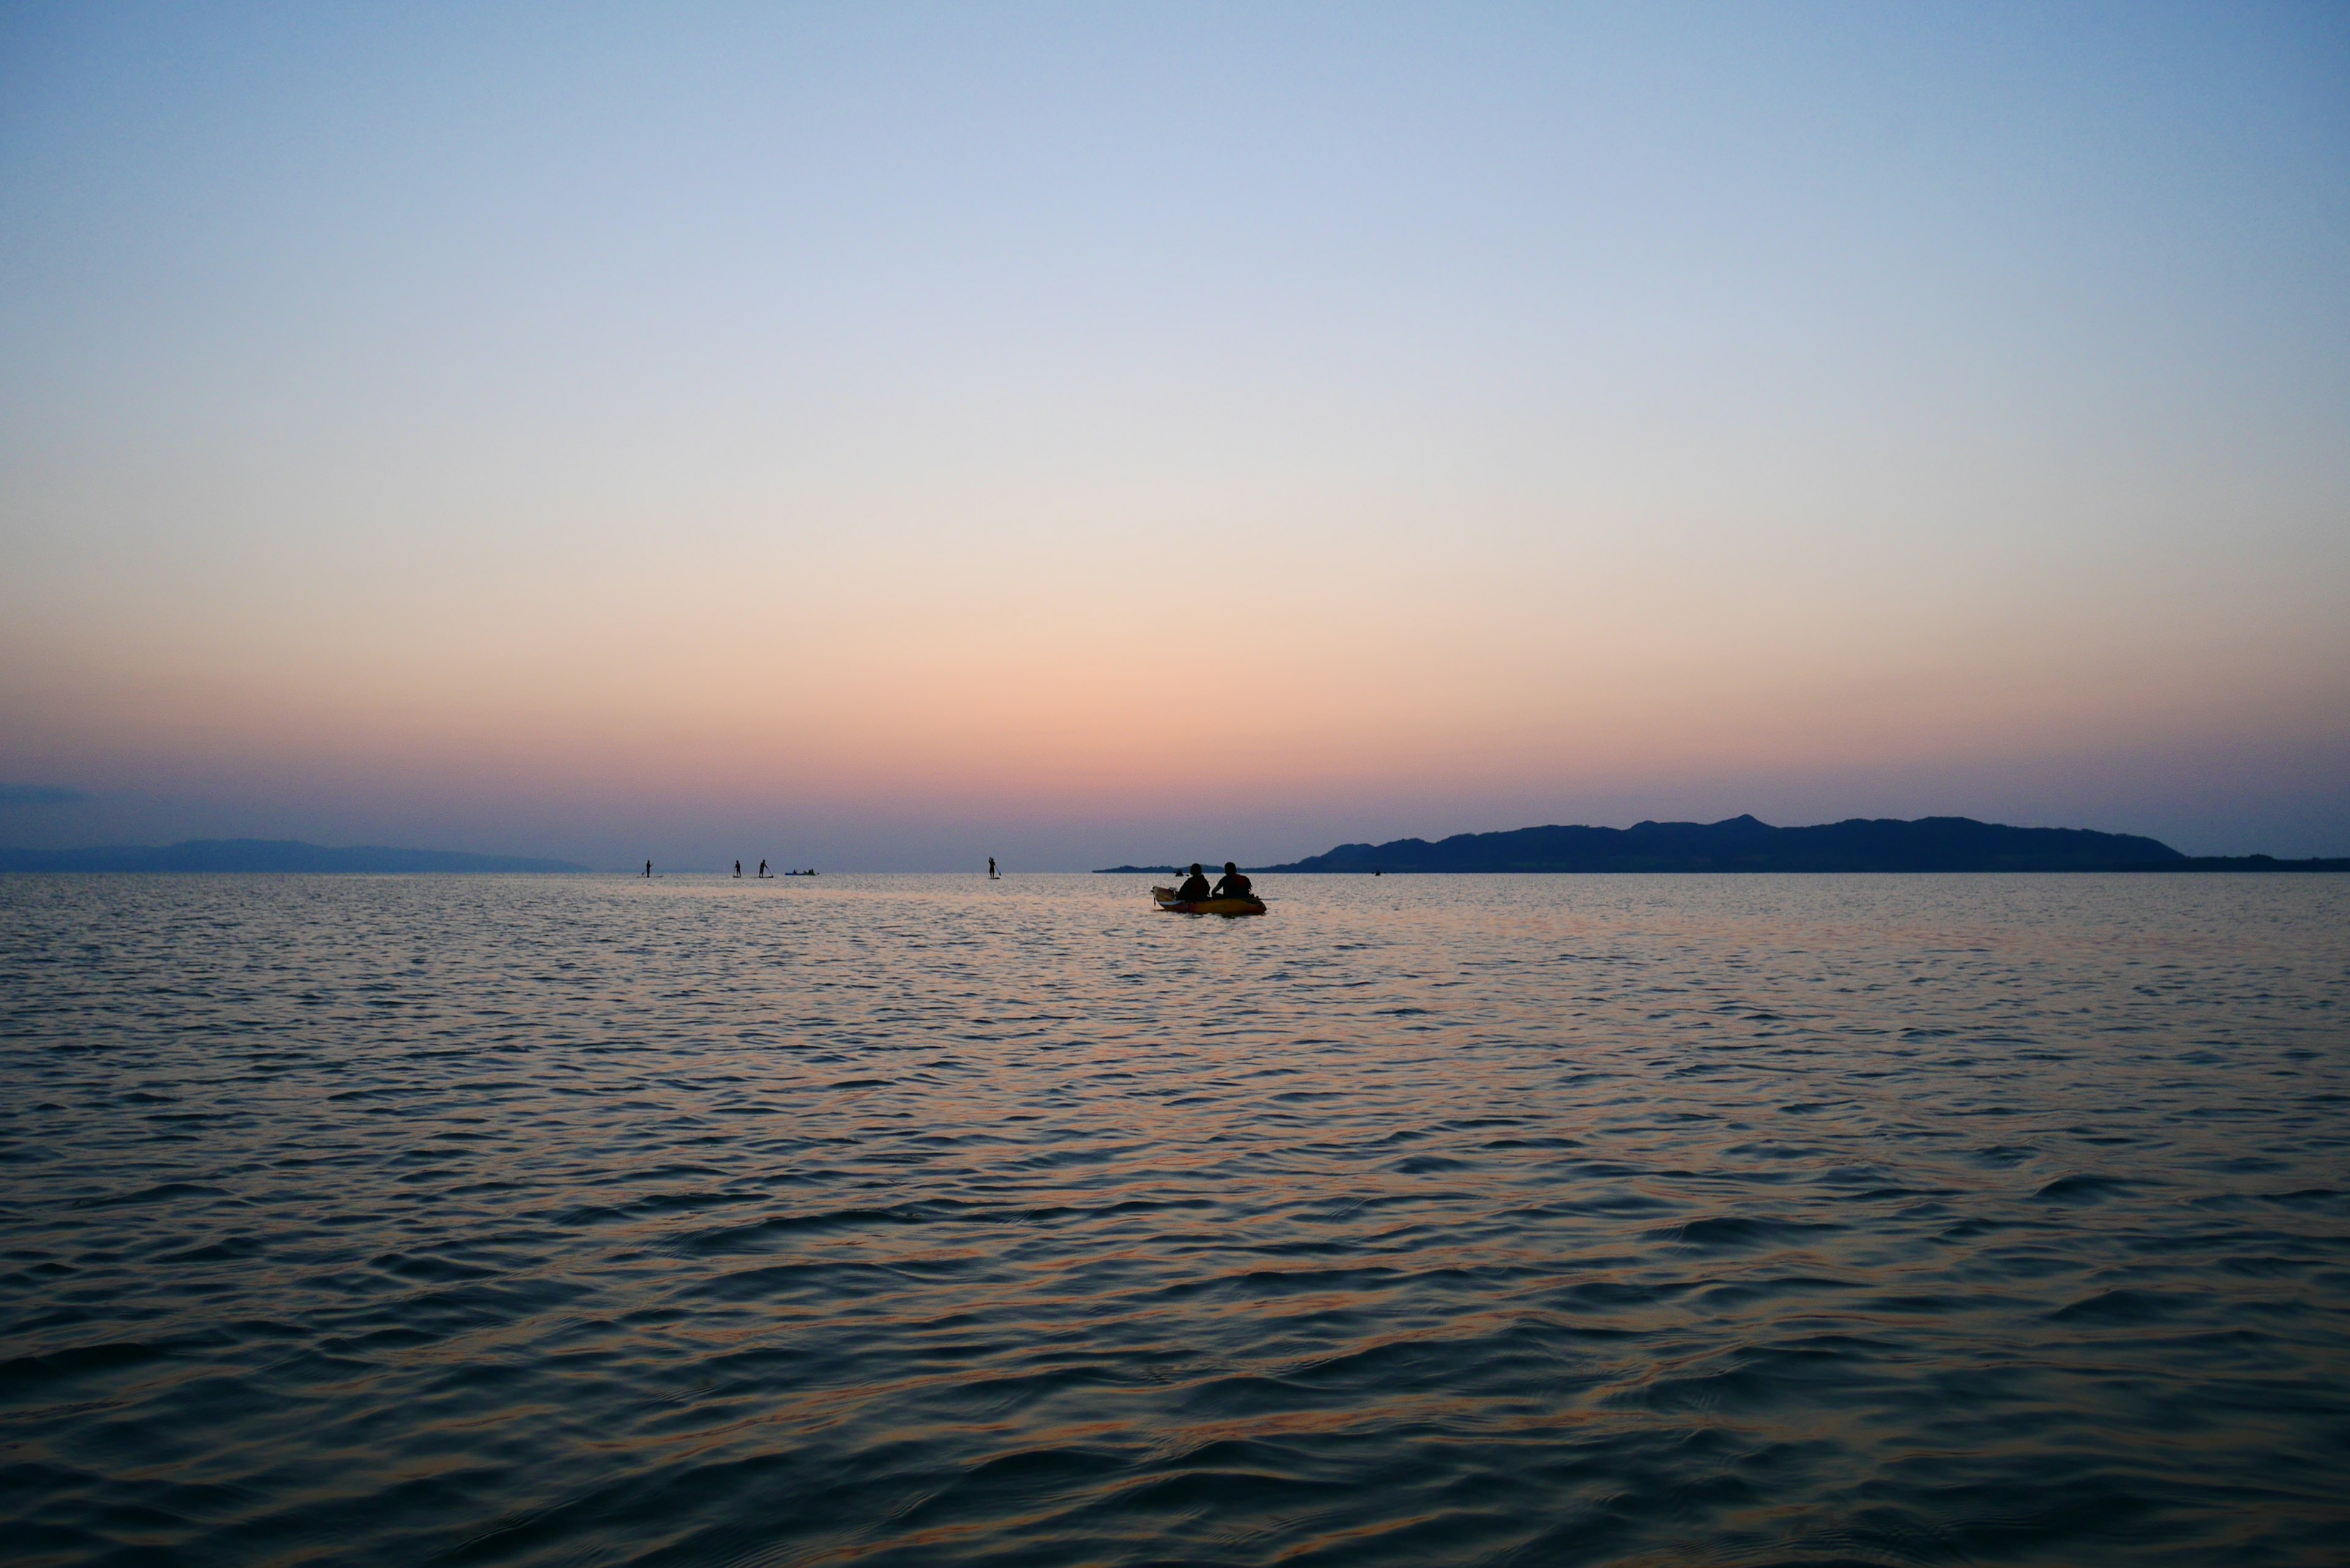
[(1250, 905)]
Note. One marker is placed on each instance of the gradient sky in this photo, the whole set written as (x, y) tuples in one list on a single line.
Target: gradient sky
[(886, 435)]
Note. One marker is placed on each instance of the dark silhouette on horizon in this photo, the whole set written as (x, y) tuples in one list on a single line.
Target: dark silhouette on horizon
[(1745, 843), (1231, 883)]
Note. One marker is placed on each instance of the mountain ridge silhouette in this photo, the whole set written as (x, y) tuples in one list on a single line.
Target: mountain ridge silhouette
[(1745, 843)]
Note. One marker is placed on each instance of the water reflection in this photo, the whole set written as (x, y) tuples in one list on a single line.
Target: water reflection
[(1429, 1219)]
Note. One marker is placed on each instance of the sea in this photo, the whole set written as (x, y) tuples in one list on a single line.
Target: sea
[(1525, 1220)]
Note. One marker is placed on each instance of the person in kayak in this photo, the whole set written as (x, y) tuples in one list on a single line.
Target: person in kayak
[(1194, 887), (1231, 883)]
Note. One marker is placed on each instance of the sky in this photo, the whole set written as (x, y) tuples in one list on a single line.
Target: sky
[(884, 436)]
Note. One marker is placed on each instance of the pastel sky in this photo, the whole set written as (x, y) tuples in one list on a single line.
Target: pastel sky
[(887, 435)]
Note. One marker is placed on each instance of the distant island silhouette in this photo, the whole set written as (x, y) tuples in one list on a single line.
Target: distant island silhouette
[(265, 855), (1745, 843)]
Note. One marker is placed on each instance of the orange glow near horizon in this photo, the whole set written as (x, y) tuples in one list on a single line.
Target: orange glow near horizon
[(1084, 698), (1378, 435)]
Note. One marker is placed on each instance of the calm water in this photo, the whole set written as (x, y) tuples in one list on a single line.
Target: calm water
[(925, 1219)]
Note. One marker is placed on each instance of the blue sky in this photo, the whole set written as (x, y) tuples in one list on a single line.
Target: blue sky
[(884, 435)]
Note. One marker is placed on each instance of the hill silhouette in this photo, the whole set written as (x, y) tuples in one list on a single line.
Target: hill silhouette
[(1745, 843), (266, 854)]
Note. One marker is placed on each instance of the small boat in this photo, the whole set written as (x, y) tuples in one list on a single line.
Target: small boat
[(1247, 904)]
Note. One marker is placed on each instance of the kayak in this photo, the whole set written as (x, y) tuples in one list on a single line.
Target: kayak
[(1249, 904)]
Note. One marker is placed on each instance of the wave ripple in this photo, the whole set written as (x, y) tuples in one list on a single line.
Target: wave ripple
[(925, 1219)]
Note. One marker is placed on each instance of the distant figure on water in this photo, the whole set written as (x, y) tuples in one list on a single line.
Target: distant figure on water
[(738, 868), (763, 868), (1231, 883), (649, 867), (991, 868), (1195, 886)]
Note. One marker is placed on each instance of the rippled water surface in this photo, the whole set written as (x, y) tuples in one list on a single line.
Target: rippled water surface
[(926, 1220)]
